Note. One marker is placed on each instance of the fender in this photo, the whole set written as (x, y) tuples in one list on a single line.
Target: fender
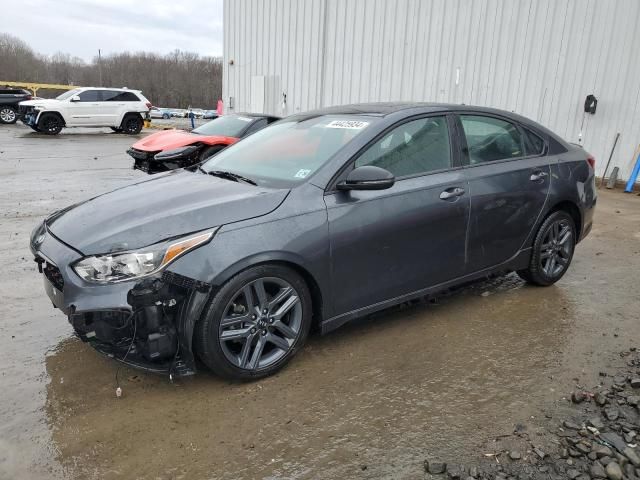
[(121, 117)]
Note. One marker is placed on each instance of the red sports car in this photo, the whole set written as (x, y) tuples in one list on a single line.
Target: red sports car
[(171, 149)]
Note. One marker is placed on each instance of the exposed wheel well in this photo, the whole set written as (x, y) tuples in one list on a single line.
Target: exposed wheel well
[(314, 289), (129, 114), (572, 209), (57, 114)]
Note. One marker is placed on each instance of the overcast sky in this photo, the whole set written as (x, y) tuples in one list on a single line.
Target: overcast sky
[(81, 27)]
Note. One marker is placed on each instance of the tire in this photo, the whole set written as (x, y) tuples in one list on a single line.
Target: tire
[(116, 129), (35, 128), (209, 152), (166, 116), (8, 115), (553, 250), (50, 123), (131, 124), (258, 337)]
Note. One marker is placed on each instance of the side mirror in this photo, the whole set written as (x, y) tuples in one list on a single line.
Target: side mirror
[(75, 98), (368, 177)]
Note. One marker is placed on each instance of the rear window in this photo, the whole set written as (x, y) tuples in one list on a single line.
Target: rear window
[(116, 96), (13, 91), (490, 139), (225, 126)]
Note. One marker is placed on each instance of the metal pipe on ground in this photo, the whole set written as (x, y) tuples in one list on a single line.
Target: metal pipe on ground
[(634, 176), (615, 142)]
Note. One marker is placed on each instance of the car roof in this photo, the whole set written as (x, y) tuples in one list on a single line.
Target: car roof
[(386, 108), (382, 109), (121, 89), (256, 115)]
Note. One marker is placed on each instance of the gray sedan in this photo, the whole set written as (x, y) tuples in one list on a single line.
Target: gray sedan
[(318, 219)]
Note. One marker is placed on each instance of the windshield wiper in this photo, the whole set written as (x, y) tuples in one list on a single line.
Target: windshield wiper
[(230, 176)]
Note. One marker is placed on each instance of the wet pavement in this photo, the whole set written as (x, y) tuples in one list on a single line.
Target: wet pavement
[(370, 400)]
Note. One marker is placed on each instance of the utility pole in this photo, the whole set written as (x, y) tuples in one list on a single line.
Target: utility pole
[(100, 67)]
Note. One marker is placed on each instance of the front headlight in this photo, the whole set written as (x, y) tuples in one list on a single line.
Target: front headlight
[(37, 235), (176, 153), (118, 267)]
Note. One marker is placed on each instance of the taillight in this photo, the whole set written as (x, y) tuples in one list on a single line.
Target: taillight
[(592, 161), (148, 104)]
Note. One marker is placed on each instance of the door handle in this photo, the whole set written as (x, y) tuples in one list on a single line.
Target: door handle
[(538, 175), (450, 193)]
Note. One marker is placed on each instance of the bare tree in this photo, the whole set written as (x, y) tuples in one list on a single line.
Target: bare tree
[(178, 79)]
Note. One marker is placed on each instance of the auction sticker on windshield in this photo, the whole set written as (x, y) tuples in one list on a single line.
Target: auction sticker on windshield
[(351, 124), (302, 173)]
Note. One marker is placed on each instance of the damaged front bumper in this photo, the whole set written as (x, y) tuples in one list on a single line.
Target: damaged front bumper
[(157, 162), (28, 115), (146, 323)]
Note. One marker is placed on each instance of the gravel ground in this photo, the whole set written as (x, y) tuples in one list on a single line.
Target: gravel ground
[(476, 373)]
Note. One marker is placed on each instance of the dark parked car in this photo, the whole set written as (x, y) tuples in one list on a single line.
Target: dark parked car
[(315, 220), (9, 101)]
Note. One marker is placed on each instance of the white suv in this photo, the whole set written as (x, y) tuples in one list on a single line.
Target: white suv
[(118, 108)]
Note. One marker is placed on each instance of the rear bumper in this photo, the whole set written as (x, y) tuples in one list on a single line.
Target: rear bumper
[(146, 323)]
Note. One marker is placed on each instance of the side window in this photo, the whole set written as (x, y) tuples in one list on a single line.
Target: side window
[(490, 139), (415, 147), (258, 125), (90, 96), (116, 96), (533, 144)]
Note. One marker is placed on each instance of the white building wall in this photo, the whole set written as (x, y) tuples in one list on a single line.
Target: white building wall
[(539, 58)]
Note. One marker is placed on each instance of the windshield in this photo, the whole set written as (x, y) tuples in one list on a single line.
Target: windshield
[(68, 94), (288, 152), (226, 126)]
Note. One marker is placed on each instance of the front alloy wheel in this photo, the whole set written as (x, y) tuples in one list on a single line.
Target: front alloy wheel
[(255, 323), (261, 323)]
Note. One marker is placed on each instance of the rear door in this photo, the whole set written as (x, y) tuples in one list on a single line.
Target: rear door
[(388, 243), (509, 177), (115, 104)]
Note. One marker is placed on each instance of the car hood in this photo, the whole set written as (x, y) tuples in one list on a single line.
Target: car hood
[(46, 103), (163, 207), (170, 139)]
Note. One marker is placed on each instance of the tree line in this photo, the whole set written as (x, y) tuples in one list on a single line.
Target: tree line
[(177, 80)]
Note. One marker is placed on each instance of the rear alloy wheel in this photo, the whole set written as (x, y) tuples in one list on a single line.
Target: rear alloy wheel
[(132, 124), (255, 323), (50, 123), (552, 250), (166, 116), (8, 115)]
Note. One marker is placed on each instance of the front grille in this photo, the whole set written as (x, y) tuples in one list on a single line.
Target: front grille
[(53, 275), (183, 282)]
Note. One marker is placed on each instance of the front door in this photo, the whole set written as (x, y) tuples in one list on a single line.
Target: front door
[(509, 177), (85, 110), (388, 243)]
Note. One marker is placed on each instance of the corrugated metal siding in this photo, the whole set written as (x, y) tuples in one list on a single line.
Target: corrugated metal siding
[(540, 58)]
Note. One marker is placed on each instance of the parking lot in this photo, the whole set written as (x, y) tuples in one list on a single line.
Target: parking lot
[(373, 399)]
